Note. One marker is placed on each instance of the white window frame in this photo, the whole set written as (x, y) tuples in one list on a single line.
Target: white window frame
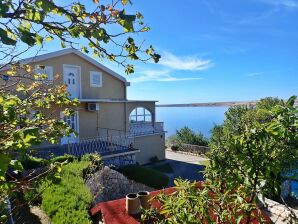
[(92, 73), (140, 117), (50, 76)]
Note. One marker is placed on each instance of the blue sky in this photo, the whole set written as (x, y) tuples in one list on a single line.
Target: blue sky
[(219, 50), (216, 50)]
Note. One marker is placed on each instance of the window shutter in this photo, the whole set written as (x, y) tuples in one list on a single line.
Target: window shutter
[(95, 79)]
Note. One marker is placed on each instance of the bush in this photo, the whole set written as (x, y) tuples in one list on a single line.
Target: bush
[(175, 147), (61, 159), (68, 200), (144, 175), (30, 162), (187, 136)]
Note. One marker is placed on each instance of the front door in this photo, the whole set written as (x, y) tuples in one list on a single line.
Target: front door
[(72, 80), (72, 121)]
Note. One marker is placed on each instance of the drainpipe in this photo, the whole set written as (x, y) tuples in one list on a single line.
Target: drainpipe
[(125, 116)]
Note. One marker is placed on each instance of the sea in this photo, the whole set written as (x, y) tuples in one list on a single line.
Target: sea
[(199, 119)]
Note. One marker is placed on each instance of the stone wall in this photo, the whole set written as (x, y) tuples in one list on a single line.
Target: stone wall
[(108, 184), (280, 213)]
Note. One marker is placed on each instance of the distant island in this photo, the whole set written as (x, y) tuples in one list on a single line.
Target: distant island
[(213, 104)]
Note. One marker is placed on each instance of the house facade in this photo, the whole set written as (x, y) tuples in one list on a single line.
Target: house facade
[(104, 110)]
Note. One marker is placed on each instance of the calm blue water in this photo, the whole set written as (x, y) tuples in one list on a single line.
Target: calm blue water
[(197, 118)]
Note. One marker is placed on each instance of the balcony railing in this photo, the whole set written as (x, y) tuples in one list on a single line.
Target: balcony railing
[(145, 128), (105, 146)]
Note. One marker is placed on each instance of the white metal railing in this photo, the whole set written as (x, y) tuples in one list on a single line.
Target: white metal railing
[(101, 145), (144, 128)]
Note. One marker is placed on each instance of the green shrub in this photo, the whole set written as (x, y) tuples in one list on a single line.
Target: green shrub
[(95, 164), (187, 136), (68, 200), (30, 162), (61, 159), (144, 175)]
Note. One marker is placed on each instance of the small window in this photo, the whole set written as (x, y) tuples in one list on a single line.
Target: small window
[(44, 70), (140, 114), (95, 79)]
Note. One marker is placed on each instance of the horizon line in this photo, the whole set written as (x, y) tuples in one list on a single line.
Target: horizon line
[(215, 104)]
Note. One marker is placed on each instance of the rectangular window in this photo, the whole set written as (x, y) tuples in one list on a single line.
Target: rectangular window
[(41, 70), (95, 79)]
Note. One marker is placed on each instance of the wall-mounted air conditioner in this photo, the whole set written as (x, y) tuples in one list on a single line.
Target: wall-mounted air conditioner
[(93, 107)]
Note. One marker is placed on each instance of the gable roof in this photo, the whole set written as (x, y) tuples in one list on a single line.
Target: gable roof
[(78, 53)]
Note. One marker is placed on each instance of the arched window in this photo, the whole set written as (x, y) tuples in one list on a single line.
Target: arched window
[(140, 114)]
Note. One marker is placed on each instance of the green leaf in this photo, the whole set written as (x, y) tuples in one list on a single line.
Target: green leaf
[(39, 39), (4, 162), (16, 165), (124, 2), (128, 26), (291, 100), (49, 38), (5, 39), (3, 8), (63, 44)]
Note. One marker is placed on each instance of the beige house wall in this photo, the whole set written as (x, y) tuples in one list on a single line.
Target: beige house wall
[(114, 116), (150, 146), (112, 88)]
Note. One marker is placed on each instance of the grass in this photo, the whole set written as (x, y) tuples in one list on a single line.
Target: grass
[(204, 163), (165, 168), (144, 175)]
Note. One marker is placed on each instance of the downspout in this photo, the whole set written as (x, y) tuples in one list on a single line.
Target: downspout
[(125, 118)]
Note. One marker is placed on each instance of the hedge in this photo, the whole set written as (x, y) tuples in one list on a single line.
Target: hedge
[(144, 175), (68, 201)]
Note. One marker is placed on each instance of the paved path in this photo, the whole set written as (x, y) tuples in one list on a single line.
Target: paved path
[(184, 166), (184, 157)]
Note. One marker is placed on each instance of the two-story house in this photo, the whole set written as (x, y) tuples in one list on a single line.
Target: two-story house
[(104, 112)]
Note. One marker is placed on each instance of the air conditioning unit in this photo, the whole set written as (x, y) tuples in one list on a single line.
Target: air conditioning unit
[(93, 107)]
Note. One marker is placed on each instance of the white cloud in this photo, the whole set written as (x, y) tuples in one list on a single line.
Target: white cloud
[(158, 76), (286, 3), (254, 74), (190, 63)]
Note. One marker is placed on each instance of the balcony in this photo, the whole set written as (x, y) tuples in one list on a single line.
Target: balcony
[(145, 128)]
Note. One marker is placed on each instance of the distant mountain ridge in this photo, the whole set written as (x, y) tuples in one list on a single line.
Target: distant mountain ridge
[(214, 104)]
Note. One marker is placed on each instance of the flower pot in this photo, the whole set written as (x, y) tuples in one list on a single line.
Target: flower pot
[(144, 197), (132, 204)]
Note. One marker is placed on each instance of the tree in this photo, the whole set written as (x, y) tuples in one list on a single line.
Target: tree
[(187, 136), (37, 22), (29, 105), (261, 150), (244, 166)]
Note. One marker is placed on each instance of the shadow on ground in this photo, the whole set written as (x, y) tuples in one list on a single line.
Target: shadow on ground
[(184, 170)]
